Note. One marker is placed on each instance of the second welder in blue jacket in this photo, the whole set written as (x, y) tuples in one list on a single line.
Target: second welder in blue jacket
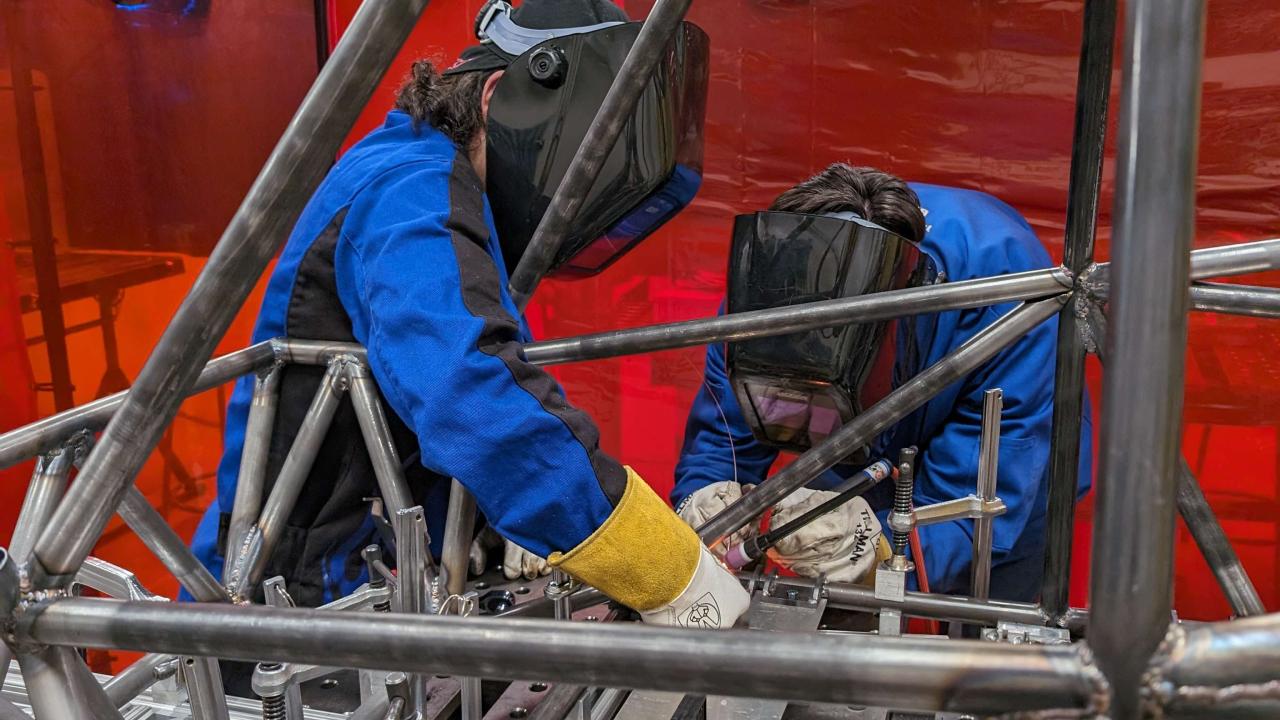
[(969, 235)]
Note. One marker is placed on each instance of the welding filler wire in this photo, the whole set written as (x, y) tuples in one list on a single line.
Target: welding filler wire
[(752, 549)]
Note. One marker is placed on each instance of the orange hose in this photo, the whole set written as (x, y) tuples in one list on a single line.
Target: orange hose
[(922, 575)]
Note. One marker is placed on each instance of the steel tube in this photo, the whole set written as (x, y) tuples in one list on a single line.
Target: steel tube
[(411, 598), (203, 681), (1093, 94), (255, 233), (619, 103), (1262, 302), (459, 529), (1236, 259), (957, 676), (59, 685), (293, 473), (292, 351), (139, 676), (1132, 575), (253, 464), (48, 482), (377, 439), (954, 608), (45, 435), (165, 544), (1215, 547), (1226, 669), (895, 406), (808, 316), (988, 463)]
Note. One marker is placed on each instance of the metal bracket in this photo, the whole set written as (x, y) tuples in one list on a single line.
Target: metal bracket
[(970, 507), (1019, 634)]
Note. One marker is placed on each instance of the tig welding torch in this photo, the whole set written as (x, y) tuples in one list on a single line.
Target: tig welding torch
[(753, 548)]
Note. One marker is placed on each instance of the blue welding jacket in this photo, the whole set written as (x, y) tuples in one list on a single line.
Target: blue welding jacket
[(396, 250), (970, 235)]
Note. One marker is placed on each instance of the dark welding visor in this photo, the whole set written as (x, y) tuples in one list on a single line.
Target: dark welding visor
[(797, 389), (540, 112)]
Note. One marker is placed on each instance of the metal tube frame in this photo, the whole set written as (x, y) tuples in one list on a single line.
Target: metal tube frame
[(1155, 171)]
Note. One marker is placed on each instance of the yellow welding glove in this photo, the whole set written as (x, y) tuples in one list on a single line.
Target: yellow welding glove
[(646, 558)]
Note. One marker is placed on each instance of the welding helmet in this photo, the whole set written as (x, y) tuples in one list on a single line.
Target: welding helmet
[(540, 112), (795, 390)]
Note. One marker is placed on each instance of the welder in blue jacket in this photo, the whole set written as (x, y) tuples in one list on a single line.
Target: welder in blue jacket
[(400, 250), (844, 225)]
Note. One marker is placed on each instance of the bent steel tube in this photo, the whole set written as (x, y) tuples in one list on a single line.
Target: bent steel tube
[(47, 434), (615, 110), (895, 406), (951, 675), (257, 230)]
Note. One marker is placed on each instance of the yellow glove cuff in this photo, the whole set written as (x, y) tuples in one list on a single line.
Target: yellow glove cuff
[(643, 555)]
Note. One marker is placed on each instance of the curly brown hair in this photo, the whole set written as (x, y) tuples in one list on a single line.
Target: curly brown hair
[(877, 196), (449, 103)]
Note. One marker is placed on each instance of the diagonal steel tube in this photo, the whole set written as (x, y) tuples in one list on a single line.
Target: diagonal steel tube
[(1132, 574), (616, 109), (1093, 94), (48, 482), (896, 405), (261, 224), (251, 560), (1201, 521), (142, 674), (1215, 546), (252, 478), (908, 673), (377, 439), (59, 685), (164, 543), (754, 324)]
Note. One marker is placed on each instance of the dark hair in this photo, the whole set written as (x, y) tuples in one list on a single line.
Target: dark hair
[(877, 196), (449, 103)]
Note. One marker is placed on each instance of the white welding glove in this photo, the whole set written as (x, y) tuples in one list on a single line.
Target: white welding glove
[(712, 600), (707, 502), (842, 543), (518, 562)]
